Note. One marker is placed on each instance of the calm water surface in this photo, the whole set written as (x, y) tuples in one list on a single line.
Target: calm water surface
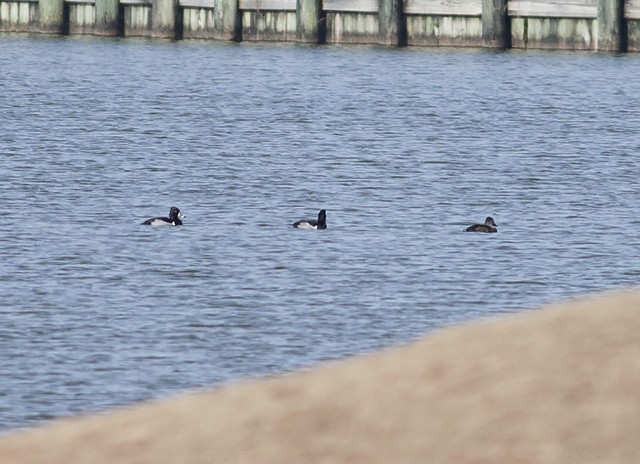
[(403, 147)]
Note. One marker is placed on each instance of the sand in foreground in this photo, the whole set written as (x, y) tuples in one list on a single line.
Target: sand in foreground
[(561, 385)]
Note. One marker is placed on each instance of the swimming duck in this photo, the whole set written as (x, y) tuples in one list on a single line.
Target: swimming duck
[(321, 223), (174, 219), (488, 226)]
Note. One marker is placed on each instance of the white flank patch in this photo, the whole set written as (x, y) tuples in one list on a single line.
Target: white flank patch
[(160, 222), (306, 225)]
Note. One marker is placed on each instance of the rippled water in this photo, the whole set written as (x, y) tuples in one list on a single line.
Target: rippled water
[(403, 147)]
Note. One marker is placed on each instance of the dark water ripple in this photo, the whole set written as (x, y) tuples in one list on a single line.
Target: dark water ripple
[(404, 148)]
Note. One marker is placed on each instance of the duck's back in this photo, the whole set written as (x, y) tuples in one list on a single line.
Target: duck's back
[(158, 221), (481, 228)]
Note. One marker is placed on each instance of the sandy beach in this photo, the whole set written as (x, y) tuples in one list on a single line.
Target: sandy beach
[(556, 385)]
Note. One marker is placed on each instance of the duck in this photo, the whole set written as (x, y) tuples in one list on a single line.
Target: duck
[(489, 226), (174, 219), (320, 223)]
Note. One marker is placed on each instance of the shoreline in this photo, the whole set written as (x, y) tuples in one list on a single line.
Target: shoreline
[(556, 385)]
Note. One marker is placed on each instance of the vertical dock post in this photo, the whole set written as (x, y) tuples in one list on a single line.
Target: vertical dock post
[(163, 18), (179, 21), (227, 16), (391, 25), (612, 31), (107, 17), (496, 30), (66, 17), (51, 16), (310, 22), (122, 11)]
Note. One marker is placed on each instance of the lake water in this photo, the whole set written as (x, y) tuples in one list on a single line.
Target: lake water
[(403, 147)]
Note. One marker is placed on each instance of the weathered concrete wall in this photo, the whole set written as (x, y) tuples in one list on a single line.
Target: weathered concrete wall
[(633, 43), (604, 25), (137, 20), (310, 21), (554, 33), (269, 26), (391, 23), (209, 19), (50, 16), (18, 16), (610, 25), (153, 18), (449, 31), (352, 21), (198, 23), (163, 18), (348, 27), (495, 24), (631, 25), (106, 17), (82, 18)]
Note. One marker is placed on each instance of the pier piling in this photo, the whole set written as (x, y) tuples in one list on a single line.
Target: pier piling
[(310, 23), (496, 32), (51, 14), (611, 30), (391, 30), (107, 18), (596, 25)]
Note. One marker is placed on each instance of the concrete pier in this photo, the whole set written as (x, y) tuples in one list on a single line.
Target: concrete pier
[(227, 17), (496, 31), (611, 26), (163, 18), (310, 23), (595, 25), (390, 28), (51, 14), (106, 17)]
